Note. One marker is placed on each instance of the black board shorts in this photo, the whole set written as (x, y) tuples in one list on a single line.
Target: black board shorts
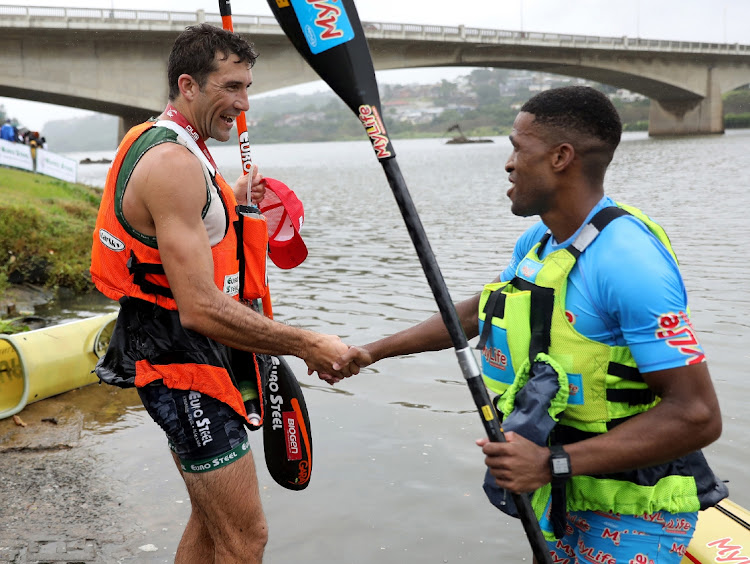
[(204, 433)]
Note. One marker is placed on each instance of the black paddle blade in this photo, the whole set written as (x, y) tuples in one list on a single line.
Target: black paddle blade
[(287, 440), (329, 35)]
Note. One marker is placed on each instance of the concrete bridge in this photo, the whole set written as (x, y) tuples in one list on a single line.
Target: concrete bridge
[(114, 61)]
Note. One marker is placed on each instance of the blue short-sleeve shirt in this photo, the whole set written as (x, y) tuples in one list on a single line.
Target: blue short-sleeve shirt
[(625, 290)]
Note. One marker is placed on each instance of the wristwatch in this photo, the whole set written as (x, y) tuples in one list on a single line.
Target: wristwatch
[(559, 463)]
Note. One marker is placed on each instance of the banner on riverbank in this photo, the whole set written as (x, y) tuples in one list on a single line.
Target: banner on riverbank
[(16, 155), (57, 166)]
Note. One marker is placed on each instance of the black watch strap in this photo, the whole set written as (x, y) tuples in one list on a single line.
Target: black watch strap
[(559, 463)]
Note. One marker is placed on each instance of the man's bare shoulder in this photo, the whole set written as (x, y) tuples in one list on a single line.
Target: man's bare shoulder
[(169, 169), (168, 180)]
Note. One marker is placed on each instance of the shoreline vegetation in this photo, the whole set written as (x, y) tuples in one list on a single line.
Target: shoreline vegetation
[(45, 238)]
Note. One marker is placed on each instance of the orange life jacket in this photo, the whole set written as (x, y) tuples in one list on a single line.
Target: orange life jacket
[(126, 263)]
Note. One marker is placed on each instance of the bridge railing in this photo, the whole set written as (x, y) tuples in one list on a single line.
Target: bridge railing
[(374, 29)]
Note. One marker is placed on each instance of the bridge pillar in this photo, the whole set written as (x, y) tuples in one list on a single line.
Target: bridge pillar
[(697, 116), (131, 120)]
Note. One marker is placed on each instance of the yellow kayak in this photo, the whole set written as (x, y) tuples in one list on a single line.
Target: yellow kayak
[(722, 535), (38, 364)]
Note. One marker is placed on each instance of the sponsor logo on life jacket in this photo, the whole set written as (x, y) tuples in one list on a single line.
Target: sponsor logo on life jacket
[(640, 559), (232, 284), (110, 241), (575, 389), (678, 332), (528, 269), (375, 129), (495, 357)]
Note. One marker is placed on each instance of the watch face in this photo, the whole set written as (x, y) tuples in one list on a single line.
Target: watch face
[(560, 466)]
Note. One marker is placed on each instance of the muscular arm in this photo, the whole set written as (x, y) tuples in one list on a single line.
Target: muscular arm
[(171, 198)]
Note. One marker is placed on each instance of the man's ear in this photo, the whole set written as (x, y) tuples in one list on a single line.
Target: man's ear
[(188, 86), (562, 156)]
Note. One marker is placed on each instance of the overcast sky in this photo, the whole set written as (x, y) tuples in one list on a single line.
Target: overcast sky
[(725, 21)]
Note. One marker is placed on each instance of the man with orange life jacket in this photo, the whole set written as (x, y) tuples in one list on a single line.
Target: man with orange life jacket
[(179, 248), (605, 392)]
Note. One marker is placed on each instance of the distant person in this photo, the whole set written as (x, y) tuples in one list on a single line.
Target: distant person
[(7, 132), (586, 336), (166, 247)]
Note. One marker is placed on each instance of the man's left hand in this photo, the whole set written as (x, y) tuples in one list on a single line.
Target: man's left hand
[(517, 465), (257, 187)]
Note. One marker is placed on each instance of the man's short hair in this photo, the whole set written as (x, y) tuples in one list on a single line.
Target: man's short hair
[(578, 109), (194, 53)]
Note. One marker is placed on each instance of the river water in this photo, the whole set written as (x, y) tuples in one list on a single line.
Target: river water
[(397, 477)]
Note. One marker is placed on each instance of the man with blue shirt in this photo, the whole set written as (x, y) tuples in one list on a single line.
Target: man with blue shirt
[(589, 321)]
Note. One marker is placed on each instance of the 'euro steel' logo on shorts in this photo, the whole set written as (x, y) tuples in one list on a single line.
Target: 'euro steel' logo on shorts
[(202, 429)]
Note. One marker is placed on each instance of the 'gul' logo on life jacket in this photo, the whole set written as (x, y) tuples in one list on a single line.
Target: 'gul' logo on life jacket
[(370, 117), (324, 22), (110, 241)]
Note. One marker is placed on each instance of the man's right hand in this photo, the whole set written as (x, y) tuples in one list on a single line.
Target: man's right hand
[(349, 364), (327, 352)]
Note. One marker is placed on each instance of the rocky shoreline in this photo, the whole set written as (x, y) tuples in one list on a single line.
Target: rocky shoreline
[(22, 300)]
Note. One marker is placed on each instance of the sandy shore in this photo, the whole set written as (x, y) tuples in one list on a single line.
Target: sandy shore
[(56, 506)]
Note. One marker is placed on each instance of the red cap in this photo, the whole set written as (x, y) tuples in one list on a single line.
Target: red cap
[(284, 217)]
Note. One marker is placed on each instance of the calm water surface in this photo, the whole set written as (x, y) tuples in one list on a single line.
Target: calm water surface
[(397, 477)]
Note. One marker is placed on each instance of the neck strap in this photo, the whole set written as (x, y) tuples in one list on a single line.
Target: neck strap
[(174, 115)]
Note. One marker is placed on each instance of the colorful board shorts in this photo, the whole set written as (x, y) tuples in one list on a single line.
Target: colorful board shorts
[(610, 538), (204, 433)]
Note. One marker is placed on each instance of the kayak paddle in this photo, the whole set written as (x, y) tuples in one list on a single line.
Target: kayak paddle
[(287, 439), (329, 36)]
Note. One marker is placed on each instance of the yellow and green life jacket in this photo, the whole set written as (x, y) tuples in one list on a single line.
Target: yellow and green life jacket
[(601, 385)]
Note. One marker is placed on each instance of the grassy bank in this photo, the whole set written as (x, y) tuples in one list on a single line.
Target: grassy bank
[(45, 231)]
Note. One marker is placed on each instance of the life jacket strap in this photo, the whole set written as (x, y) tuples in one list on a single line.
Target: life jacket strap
[(630, 373), (631, 397), (139, 271), (494, 307)]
